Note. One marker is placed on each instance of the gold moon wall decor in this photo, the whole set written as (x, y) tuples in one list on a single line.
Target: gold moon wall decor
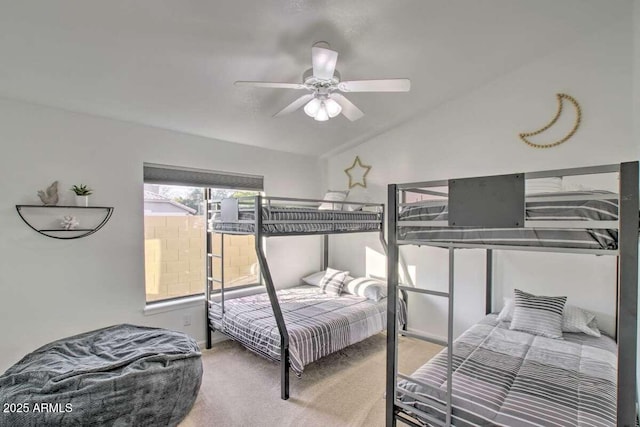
[(561, 97), (357, 173)]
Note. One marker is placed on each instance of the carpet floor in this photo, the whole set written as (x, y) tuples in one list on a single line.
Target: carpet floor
[(342, 389)]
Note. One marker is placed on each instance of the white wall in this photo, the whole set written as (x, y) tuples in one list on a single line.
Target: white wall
[(477, 135), (54, 288)]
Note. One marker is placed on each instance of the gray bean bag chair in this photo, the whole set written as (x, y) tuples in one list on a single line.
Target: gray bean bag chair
[(123, 375)]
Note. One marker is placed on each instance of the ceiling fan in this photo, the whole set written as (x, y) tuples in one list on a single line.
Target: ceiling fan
[(322, 81)]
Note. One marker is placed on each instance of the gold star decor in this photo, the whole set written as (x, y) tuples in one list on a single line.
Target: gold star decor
[(357, 173)]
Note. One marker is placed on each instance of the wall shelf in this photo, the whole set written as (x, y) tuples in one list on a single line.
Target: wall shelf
[(29, 212)]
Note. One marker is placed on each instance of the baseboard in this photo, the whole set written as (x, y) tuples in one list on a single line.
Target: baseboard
[(432, 336), (215, 339)]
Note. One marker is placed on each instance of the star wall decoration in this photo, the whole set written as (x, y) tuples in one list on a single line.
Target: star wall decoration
[(357, 173)]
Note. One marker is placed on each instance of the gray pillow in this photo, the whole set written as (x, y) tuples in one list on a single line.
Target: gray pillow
[(367, 287), (314, 278), (333, 281), (574, 319), (538, 315)]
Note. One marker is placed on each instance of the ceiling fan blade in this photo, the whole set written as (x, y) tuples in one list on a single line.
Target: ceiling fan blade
[(294, 105), (349, 110), (271, 85), (385, 85), (324, 62)]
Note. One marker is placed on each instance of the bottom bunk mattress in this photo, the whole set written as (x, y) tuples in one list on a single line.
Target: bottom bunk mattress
[(512, 378), (318, 324)]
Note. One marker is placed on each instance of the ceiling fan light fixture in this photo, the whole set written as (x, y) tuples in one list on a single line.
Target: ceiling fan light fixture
[(312, 107), (333, 108), (323, 82), (322, 115)]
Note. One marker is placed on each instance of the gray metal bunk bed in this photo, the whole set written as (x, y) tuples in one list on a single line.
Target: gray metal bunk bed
[(493, 213), (266, 217)]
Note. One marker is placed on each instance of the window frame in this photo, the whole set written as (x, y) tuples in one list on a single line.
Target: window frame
[(207, 180)]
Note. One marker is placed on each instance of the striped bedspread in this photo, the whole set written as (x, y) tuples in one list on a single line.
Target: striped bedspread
[(511, 378), (318, 324), (319, 221), (573, 210)]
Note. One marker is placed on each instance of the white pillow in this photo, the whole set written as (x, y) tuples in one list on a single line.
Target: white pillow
[(574, 319), (351, 208), (367, 287), (506, 314), (333, 196), (314, 279), (543, 185)]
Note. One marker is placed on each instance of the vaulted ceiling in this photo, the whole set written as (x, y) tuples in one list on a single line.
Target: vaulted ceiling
[(172, 64)]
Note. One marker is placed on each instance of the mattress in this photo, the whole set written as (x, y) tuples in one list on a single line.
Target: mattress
[(575, 210), (511, 378), (318, 324), (303, 220)]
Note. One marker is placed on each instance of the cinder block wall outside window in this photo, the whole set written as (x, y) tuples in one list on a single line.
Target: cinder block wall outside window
[(175, 257)]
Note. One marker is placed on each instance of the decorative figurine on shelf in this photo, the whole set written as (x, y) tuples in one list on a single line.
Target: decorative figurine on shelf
[(82, 194), (69, 222), (49, 196)]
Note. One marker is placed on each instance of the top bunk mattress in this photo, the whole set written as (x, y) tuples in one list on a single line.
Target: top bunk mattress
[(296, 220), (594, 209), (318, 324), (512, 378)]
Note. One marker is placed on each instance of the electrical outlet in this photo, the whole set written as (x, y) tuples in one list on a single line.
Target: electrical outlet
[(186, 320)]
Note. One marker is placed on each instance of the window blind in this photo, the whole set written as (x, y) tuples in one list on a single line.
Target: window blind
[(170, 175)]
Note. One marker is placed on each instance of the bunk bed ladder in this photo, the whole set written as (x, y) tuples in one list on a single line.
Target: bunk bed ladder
[(394, 407), (211, 255), (211, 276)]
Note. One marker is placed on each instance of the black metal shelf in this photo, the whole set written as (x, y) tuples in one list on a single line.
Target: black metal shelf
[(63, 206), (64, 229), (85, 231)]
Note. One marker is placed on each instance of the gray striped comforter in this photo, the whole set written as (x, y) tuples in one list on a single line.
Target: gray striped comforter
[(318, 324), (511, 378), (323, 221), (576, 210)]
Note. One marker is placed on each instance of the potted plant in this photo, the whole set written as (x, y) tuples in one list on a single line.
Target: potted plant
[(82, 194)]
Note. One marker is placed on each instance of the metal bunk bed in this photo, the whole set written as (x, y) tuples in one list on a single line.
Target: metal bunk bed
[(500, 201), (278, 216)]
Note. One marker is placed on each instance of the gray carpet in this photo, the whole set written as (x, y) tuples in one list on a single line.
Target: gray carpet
[(343, 389)]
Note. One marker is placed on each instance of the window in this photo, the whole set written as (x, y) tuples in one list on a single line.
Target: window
[(176, 235)]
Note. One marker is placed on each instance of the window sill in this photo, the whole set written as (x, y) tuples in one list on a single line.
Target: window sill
[(164, 306), (180, 304), (237, 293)]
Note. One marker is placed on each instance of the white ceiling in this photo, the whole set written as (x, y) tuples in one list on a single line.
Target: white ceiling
[(172, 64)]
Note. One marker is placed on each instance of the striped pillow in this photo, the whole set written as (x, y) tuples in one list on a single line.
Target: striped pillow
[(538, 315), (333, 281), (367, 287)]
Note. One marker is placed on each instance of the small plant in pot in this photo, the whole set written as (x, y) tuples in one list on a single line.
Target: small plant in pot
[(82, 194)]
